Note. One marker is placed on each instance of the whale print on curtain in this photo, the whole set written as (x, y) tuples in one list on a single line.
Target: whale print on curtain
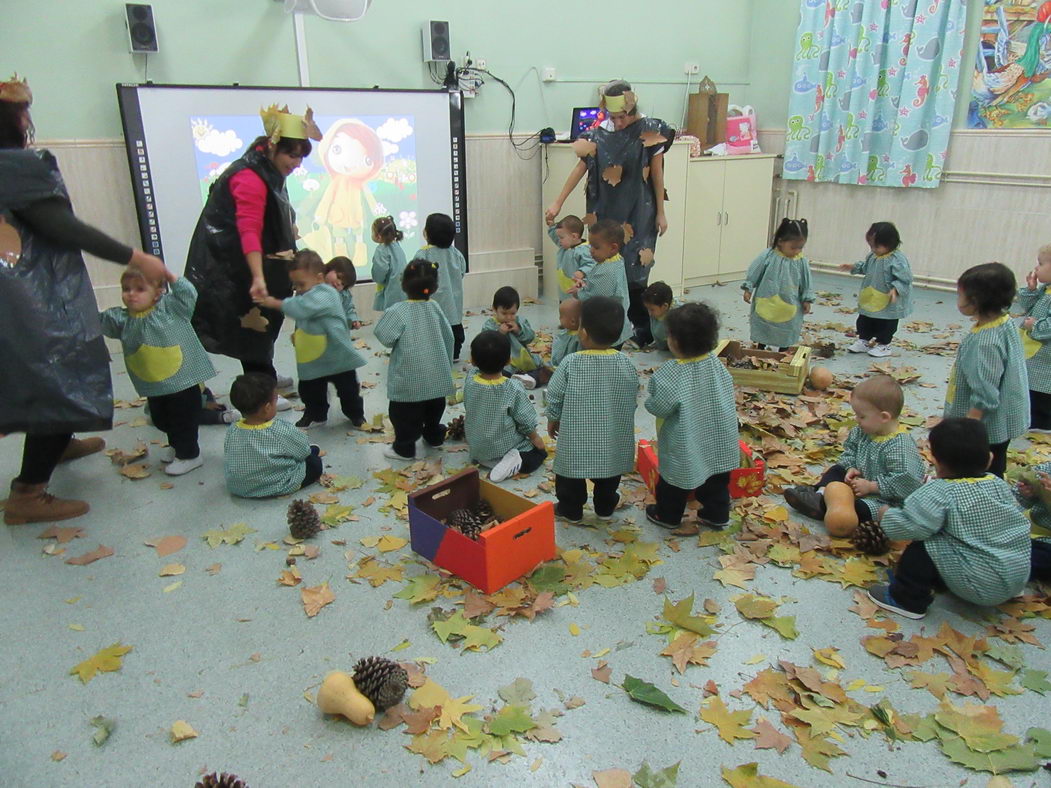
[(874, 88)]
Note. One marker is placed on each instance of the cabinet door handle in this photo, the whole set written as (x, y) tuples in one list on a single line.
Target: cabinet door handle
[(726, 220), (719, 217)]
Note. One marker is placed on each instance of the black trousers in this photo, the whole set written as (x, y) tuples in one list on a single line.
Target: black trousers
[(572, 494), (1039, 410), (314, 394), (916, 578), (40, 455), (458, 337), (637, 314), (713, 496), (876, 327), (265, 367), (177, 416), (1040, 567), (314, 467), (999, 463), (837, 473), (532, 459), (412, 420)]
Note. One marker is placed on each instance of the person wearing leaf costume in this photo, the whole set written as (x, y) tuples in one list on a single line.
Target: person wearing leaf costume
[(54, 368), (238, 250), (624, 161)]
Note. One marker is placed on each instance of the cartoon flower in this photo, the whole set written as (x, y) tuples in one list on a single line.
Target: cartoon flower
[(311, 185), (381, 209), (407, 219)]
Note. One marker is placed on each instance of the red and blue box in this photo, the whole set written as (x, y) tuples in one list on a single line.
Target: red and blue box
[(523, 540), (745, 482)]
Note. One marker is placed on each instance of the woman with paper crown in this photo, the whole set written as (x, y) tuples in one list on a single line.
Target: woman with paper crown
[(624, 161), (54, 368), (246, 232)]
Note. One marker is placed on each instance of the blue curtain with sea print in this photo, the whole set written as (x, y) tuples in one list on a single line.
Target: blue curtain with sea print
[(874, 87)]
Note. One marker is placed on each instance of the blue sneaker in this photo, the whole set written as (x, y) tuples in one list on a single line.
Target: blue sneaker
[(880, 594)]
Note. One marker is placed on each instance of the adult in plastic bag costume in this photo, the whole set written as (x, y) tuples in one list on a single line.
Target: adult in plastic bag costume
[(230, 274), (54, 367), (624, 161)]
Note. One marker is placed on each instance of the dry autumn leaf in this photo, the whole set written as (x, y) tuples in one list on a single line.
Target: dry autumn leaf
[(167, 545), (107, 660), (138, 470), (316, 597), (87, 558), (169, 570), (61, 535), (612, 174), (181, 731)]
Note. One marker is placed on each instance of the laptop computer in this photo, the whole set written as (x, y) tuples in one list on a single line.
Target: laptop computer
[(583, 119)]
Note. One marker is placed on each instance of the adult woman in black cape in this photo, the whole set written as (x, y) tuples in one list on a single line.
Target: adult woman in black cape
[(54, 367), (244, 235), (624, 161)]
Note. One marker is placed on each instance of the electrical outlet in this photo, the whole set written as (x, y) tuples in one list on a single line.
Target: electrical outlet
[(548, 74), (691, 68), (480, 62)]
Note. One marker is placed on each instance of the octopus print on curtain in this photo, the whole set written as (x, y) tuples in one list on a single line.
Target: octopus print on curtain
[(874, 87)]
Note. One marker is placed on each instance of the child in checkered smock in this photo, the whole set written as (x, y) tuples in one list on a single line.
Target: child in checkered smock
[(500, 421), (968, 533), (886, 290), (388, 261), (658, 300), (573, 254), (440, 232), (524, 365), (777, 285), (166, 361), (419, 377), (263, 455), (692, 397), (1033, 496), (591, 402), (341, 276), (607, 277), (324, 353), (566, 341), (988, 380), (880, 460), (1035, 299)]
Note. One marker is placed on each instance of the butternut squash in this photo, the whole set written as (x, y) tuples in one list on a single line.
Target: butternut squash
[(840, 517), (339, 695)]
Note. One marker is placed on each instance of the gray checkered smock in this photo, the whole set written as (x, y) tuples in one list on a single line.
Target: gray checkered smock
[(388, 264), (422, 351), (989, 374), (568, 262), (693, 400), (322, 338), (499, 417), (451, 268), (522, 359), (593, 397), (883, 272), (974, 533), (1036, 341), (608, 279), (1038, 510), (564, 343), (892, 461), (263, 460), (780, 286)]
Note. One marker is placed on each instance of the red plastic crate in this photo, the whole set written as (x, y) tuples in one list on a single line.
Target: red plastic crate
[(524, 539), (745, 482)]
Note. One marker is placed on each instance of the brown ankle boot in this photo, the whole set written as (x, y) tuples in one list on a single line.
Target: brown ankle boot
[(32, 503), (78, 448)]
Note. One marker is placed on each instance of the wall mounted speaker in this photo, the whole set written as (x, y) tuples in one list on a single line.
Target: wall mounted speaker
[(436, 46), (142, 32)]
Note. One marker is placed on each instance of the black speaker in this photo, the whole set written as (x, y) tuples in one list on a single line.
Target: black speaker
[(436, 46), (142, 32)]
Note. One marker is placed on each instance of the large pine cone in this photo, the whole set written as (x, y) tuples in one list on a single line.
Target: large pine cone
[(483, 512), (224, 780), (455, 430), (381, 681), (303, 520), (870, 538)]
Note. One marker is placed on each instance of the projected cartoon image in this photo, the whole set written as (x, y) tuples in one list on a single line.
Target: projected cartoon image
[(364, 167)]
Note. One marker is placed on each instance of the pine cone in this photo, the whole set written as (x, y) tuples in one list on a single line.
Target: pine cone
[(870, 538), (224, 780), (483, 511), (455, 430), (381, 681), (458, 518), (303, 520)]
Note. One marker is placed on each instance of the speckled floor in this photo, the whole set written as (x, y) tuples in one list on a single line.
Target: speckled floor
[(231, 652)]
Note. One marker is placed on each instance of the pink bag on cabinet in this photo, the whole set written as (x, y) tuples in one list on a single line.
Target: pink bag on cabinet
[(742, 130)]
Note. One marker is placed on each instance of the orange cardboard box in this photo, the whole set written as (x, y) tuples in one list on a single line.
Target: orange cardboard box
[(745, 482), (523, 540)]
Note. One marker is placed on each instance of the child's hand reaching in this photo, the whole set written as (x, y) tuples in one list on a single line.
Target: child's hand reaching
[(1028, 323), (269, 302), (1026, 490), (506, 328), (552, 428), (893, 295), (747, 296), (1031, 281), (538, 442), (845, 266), (807, 307)]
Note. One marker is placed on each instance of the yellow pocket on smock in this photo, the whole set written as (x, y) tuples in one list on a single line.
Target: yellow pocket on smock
[(872, 300), (950, 389), (154, 364), (523, 362), (1030, 346), (309, 347), (775, 309), (565, 283)]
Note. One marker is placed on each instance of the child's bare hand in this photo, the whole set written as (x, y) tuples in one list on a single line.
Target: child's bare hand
[(852, 474), (505, 328), (893, 295), (1028, 323), (269, 302), (552, 428), (807, 306), (1026, 490), (747, 296), (845, 266), (356, 324), (1031, 281), (538, 442), (1045, 480)]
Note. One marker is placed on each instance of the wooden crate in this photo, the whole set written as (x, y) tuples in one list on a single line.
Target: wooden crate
[(788, 378)]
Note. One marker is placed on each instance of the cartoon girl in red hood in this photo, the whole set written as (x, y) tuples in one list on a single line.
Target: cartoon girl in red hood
[(353, 155)]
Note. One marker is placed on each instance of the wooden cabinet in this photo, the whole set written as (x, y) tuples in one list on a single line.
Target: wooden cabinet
[(728, 210), (718, 213)]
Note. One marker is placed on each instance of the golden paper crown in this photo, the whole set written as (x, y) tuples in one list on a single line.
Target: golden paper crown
[(625, 102), (278, 122), (16, 91)]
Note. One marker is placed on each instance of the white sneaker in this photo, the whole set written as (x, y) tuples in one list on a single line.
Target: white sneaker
[(389, 453), (859, 346), (284, 382), (168, 454), (1039, 430), (528, 383), (283, 404), (508, 466), (179, 467), (230, 415), (880, 351)]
